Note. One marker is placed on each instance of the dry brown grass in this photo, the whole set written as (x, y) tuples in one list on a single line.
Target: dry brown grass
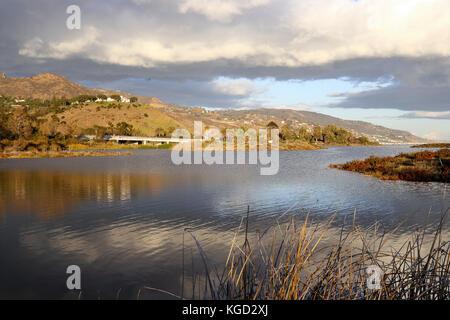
[(424, 166), (296, 265), (86, 116)]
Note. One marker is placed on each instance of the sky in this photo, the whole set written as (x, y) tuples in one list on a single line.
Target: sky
[(381, 61)]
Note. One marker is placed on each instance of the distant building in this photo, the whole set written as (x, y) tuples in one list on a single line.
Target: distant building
[(124, 99)]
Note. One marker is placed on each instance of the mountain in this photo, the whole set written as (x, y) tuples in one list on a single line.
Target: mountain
[(46, 86), (42, 86), (297, 118)]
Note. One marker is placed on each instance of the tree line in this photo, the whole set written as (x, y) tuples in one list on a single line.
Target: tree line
[(329, 134)]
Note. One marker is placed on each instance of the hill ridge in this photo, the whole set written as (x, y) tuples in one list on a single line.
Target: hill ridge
[(45, 86)]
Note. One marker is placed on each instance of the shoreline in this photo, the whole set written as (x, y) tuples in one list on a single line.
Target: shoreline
[(59, 154), (284, 146), (79, 150), (432, 145)]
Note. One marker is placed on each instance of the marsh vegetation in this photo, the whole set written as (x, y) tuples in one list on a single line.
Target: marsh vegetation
[(424, 166)]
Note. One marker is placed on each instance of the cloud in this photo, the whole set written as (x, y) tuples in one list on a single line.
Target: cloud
[(402, 44), (351, 94), (241, 87), (303, 33), (427, 115), (399, 96), (60, 50), (337, 30), (434, 136), (219, 10), (219, 93)]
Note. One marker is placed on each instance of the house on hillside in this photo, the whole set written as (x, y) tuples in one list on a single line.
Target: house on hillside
[(124, 99)]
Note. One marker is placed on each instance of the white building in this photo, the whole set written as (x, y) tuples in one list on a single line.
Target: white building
[(124, 99)]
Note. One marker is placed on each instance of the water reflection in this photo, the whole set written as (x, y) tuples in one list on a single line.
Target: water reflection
[(122, 218), (50, 194)]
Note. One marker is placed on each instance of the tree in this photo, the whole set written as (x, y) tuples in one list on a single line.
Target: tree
[(272, 125), (21, 124), (102, 96), (160, 132), (5, 133), (115, 97), (123, 129), (330, 134), (304, 134), (133, 99), (84, 98), (317, 133), (364, 140), (287, 133)]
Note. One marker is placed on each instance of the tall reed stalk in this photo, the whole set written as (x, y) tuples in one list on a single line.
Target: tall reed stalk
[(292, 261)]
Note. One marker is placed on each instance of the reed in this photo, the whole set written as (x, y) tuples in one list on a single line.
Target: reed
[(290, 261)]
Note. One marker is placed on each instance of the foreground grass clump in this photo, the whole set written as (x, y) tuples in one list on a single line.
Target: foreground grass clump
[(425, 166), (432, 145), (296, 264)]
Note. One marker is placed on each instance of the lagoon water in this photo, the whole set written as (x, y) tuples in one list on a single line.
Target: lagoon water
[(122, 219)]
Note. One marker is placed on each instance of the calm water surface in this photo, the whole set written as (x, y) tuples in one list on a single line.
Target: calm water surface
[(121, 219)]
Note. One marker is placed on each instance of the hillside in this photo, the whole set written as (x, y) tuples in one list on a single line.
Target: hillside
[(45, 86), (145, 119), (165, 115), (42, 86), (297, 118)]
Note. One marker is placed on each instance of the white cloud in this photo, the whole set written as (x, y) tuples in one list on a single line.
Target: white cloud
[(242, 87), (219, 10), (33, 48), (335, 30), (434, 136), (37, 48), (288, 34)]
